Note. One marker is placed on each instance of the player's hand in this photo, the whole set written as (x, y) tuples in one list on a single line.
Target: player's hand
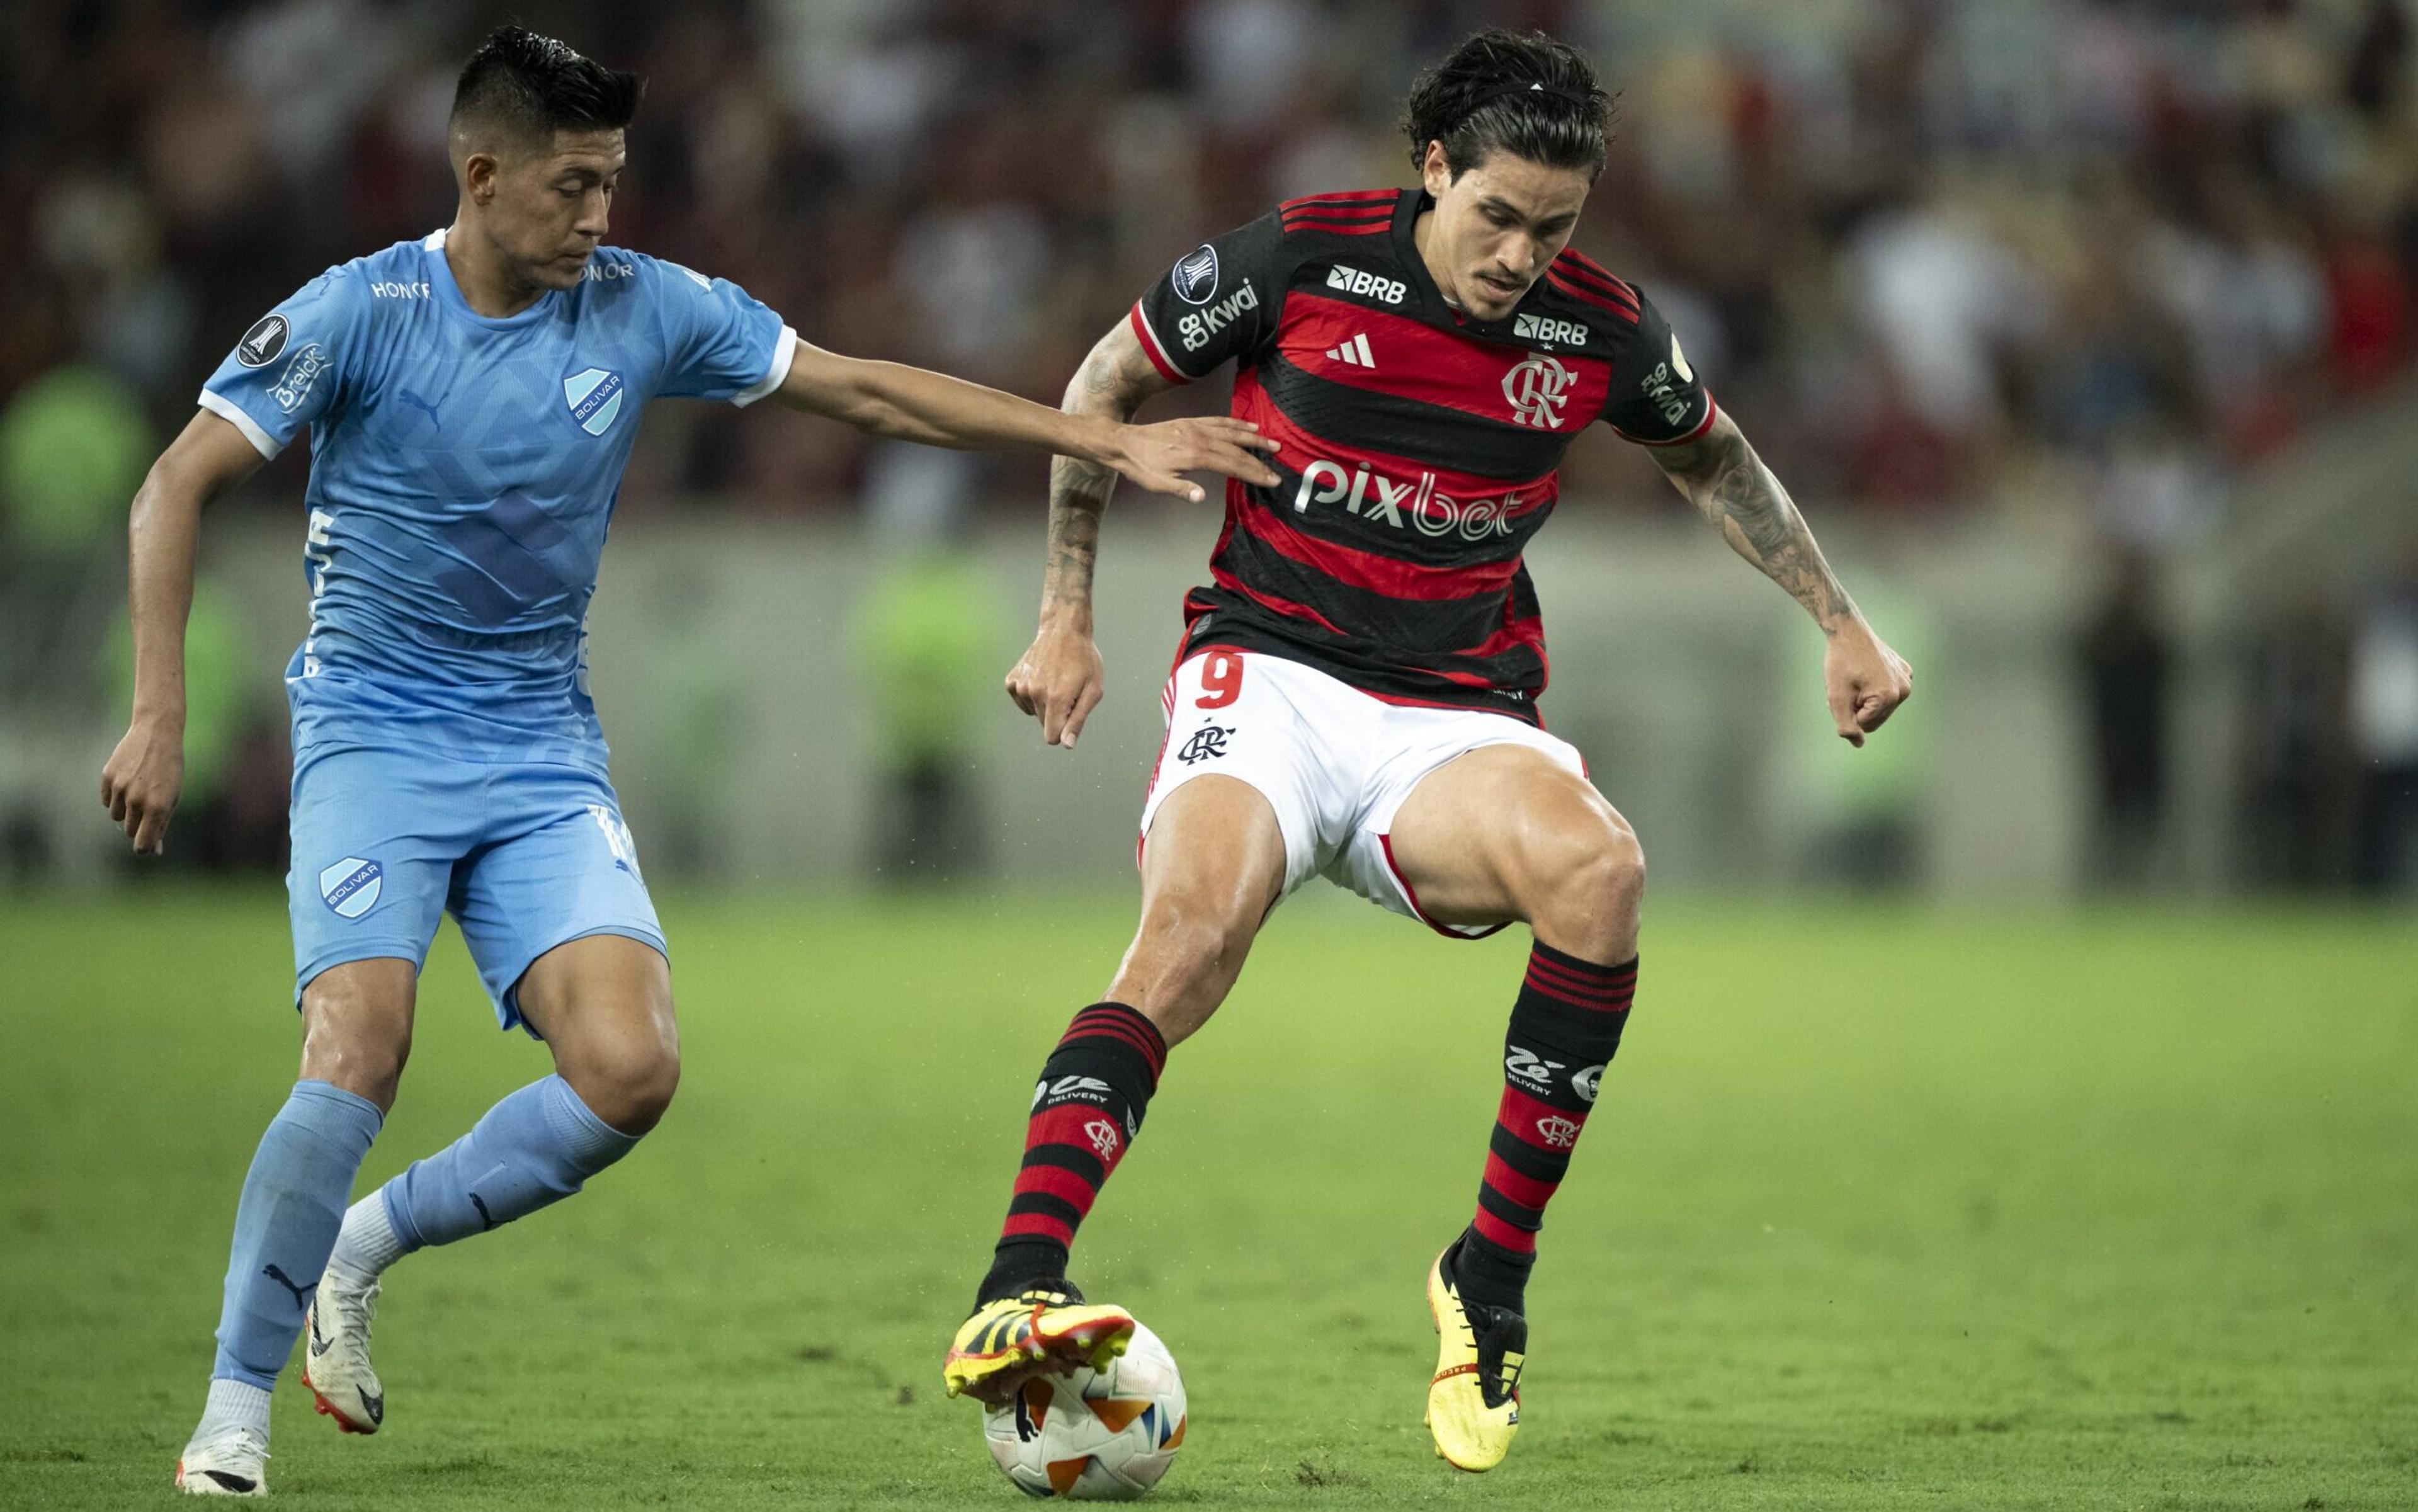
[(1866, 681), (1156, 455), (1059, 680), (140, 784)]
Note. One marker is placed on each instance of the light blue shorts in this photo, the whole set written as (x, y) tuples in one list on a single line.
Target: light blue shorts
[(524, 857)]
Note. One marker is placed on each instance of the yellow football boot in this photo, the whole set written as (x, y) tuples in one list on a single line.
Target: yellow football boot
[(1043, 1328), (1474, 1401)]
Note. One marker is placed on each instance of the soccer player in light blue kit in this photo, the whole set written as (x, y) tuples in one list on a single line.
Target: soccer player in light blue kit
[(472, 398)]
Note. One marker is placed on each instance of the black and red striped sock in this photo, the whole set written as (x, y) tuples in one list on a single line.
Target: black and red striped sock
[(1565, 1031), (1094, 1089)]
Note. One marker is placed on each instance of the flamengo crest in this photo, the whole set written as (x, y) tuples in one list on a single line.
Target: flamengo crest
[(1538, 388)]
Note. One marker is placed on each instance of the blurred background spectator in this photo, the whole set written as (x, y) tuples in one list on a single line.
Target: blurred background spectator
[(2070, 268)]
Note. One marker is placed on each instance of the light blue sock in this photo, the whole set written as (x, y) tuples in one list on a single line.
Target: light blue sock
[(292, 1202), (537, 1146)]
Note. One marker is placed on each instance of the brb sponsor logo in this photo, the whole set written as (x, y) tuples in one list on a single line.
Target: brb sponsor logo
[(1547, 329), (351, 886), (1587, 1081), (1353, 281), (300, 376), (1414, 506), (1537, 390)]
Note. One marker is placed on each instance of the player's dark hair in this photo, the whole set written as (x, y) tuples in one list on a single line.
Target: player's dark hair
[(529, 87), (1517, 92)]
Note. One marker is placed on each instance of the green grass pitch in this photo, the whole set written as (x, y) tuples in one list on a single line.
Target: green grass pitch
[(1880, 1210)]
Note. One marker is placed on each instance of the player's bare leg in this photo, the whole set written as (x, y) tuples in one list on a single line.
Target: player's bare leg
[(356, 1036), (604, 1006), (1213, 865), (1507, 833)]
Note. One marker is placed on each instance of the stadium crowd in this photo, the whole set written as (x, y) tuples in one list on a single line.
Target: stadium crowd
[(2078, 260), (1945, 253)]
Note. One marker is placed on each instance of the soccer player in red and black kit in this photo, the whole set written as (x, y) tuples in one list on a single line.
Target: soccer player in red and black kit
[(1356, 691)]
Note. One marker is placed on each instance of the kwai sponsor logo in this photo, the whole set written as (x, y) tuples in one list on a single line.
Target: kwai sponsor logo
[(1197, 328)]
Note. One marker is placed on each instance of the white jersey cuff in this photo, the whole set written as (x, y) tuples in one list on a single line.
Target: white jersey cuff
[(231, 412), (785, 351)]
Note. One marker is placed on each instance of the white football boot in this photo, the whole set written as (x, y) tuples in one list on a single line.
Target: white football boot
[(232, 1461), (336, 1352)]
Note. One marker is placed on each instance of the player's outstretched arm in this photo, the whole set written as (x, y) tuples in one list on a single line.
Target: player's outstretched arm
[(1059, 678), (140, 783), (906, 404), (1720, 473)]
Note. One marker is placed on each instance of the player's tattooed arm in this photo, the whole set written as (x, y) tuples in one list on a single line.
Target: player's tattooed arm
[(1059, 678), (1720, 473), (145, 774)]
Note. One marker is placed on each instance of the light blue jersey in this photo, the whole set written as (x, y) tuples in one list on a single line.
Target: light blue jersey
[(463, 469)]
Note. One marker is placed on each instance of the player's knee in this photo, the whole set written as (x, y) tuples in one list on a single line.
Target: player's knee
[(628, 1080), (356, 1034), (1587, 886)]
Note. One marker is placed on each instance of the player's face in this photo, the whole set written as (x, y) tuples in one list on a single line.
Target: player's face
[(1497, 227), (552, 206)]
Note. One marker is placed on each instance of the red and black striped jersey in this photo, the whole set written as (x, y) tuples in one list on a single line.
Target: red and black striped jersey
[(1420, 450)]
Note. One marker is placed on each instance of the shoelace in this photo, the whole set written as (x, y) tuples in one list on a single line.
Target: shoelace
[(356, 1307), (242, 1439)]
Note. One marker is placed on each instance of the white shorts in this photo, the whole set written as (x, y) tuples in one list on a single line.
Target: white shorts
[(1335, 763)]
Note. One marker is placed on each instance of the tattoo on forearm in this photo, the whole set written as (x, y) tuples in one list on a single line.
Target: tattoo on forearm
[(1079, 490), (1730, 487)]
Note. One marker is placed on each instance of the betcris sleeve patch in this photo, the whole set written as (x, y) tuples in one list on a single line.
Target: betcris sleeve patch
[(721, 343), (1215, 302), (285, 371), (1656, 397)]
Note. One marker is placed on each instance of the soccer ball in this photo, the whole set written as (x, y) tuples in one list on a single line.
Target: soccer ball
[(1096, 1435)]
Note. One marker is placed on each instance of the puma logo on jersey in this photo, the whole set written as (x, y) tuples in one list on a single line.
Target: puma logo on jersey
[(1197, 328), (1353, 281), (1549, 330)]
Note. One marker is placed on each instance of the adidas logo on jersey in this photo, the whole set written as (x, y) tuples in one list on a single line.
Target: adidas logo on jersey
[(1355, 351), (1353, 281)]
